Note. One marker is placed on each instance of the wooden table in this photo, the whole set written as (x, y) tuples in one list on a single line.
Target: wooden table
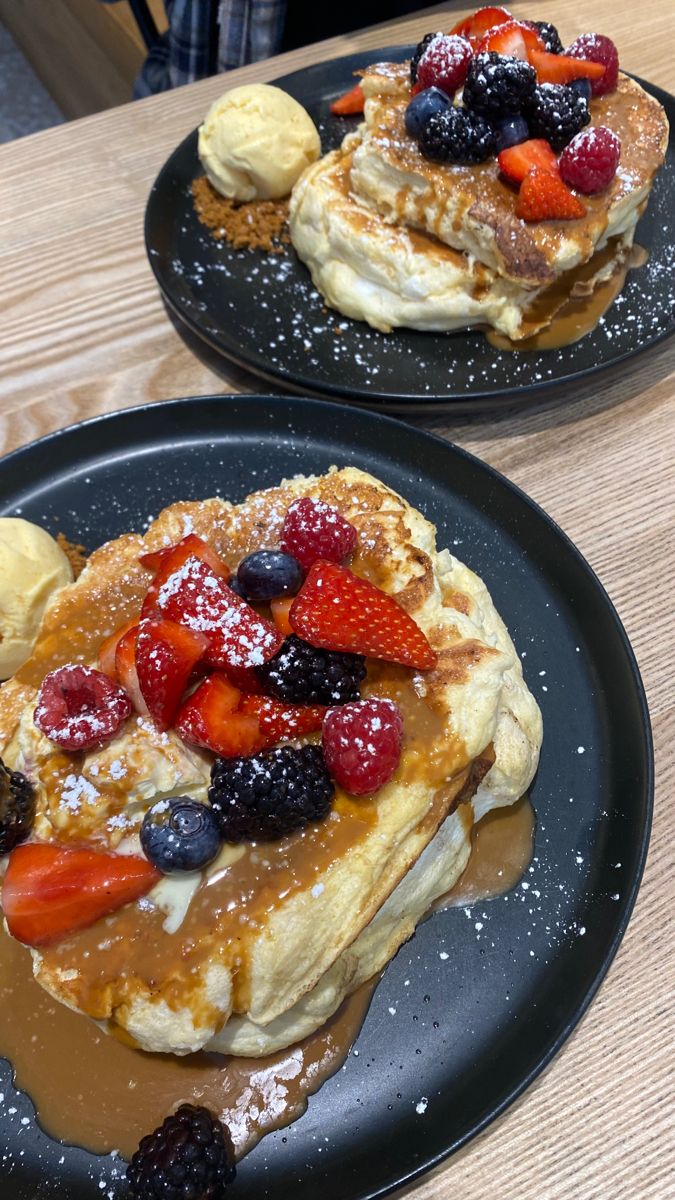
[(84, 331)]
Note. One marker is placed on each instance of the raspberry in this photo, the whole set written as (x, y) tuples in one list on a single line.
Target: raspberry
[(595, 47), (303, 674), (362, 744), (78, 707), (457, 136), (444, 63), (266, 797), (497, 86), (556, 113), (190, 1155), (313, 530), (17, 808), (589, 163)]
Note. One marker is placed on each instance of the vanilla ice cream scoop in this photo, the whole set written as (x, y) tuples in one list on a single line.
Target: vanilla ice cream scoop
[(32, 567), (256, 141)]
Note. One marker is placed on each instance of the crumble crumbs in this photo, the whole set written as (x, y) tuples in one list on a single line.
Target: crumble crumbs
[(257, 224), (74, 552)]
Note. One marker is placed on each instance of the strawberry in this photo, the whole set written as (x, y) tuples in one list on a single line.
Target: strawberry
[(475, 27), (517, 162), (209, 719), (280, 610), (562, 68), (197, 598), (544, 197), (278, 720), (125, 669), (106, 651), (337, 610), (350, 103), (513, 39), (51, 891), (172, 558), (166, 654), (245, 679)]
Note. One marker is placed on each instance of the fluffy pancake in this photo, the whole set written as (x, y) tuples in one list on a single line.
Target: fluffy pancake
[(268, 925), (471, 209)]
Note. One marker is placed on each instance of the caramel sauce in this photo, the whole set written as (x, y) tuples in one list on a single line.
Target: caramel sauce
[(92, 1090), (502, 844), (572, 307)]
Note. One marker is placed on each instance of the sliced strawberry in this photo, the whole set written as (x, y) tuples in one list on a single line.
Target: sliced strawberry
[(246, 679), (544, 197), (518, 161), (513, 39), (209, 719), (51, 891), (475, 27), (337, 610), (166, 655), (106, 651), (562, 68), (125, 669), (166, 562), (350, 103), (280, 610), (195, 597), (278, 720)]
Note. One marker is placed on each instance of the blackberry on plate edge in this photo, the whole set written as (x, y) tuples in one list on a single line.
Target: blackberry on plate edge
[(556, 113), (457, 136), (270, 795), (304, 674), (497, 86), (17, 808), (188, 1157)]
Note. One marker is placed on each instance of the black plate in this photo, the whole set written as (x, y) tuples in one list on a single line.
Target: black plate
[(262, 312), (472, 1008)]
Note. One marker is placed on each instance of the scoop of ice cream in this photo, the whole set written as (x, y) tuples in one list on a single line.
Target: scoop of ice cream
[(256, 141), (32, 567)]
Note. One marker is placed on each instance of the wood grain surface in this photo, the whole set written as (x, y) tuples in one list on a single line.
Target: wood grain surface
[(84, 331)]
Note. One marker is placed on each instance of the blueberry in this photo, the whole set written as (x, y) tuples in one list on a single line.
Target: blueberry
[(180, 835), (422, 106), (235, 586), (269, 573), (511, 132), (582, 87)]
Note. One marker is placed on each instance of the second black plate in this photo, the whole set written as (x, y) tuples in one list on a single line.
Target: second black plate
[(263, 313)]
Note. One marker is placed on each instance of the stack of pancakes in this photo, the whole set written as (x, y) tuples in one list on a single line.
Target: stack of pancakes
[(393, 239), (260, 949)]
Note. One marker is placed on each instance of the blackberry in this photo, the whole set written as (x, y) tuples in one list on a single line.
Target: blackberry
[(557, 113), (270, 795), (419, 51), (498, 86), (17, 808), (549, 36), (457, 136), (189, 1157), (303, 674)]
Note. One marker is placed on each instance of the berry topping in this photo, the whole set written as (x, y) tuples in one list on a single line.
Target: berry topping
[(515, 39), (125, 669), (590, 161), (235, 586), (17, 808), (337, 610), (266, 574), (271, 795), (313, 530), (189, 1157), (582, 87), (349, 104), (457, 136), (444, 63), (108, 649), (517, 162), (419, 51), (280, 610), (166, 654), (197, 598), (279, 721), (180, 835), (497, 86), (511, 132), (596, 48), (304, 674), (169, 560), (210, 719), (423, 106), (79, 707), (561, 68), (475, 27), (544, 197), (51, 891), (362, 744), (556, 113), (548, 34)]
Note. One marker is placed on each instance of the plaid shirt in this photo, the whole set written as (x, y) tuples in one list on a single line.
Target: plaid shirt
[(206, 37)]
